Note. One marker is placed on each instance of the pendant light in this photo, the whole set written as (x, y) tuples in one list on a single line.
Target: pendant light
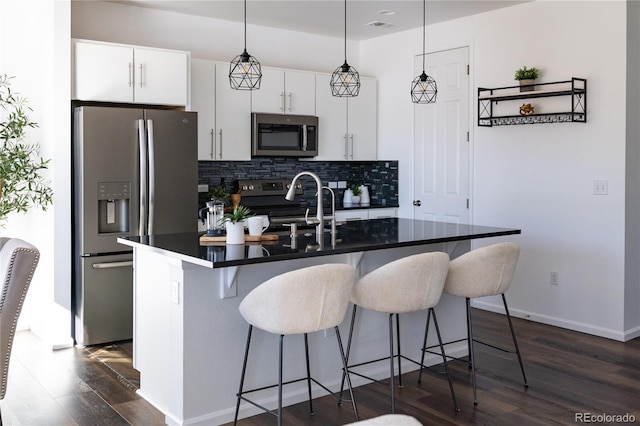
[(345, 80), (245, 72), (423, 87)]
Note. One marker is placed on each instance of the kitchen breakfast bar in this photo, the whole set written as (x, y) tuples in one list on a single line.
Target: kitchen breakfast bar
[(189, 337)]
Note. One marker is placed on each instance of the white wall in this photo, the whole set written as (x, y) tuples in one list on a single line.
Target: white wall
[(36, 52), (536, 177)]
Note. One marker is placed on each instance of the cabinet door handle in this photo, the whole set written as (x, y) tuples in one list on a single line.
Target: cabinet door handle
[(130, 74), (220, 152), (282, 101), (351, 143), (140, 75), (213, 144), (346, 147), (417, 203), (290, 101)]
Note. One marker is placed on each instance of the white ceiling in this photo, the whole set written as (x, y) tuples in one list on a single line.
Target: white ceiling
[(326, 17)]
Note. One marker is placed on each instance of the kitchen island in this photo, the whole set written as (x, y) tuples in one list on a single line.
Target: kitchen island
[(189, 337)]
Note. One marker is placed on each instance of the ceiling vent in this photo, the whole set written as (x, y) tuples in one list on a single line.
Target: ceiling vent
[(379, 24)]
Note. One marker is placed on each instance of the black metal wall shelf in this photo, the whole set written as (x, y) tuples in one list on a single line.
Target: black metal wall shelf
[(575, 89)]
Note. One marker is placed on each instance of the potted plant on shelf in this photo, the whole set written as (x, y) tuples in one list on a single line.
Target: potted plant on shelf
[(21, 185), (355, 189), (526, 77), (234, 224)]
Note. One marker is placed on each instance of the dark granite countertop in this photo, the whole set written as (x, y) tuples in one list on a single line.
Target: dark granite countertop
[(353, 236)]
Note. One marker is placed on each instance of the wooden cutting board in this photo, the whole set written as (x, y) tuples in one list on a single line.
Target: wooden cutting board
[(247, 238)]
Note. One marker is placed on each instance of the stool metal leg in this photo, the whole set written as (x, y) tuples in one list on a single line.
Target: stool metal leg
[(306, 351), (515, 343), (399, 352), (344, 366), (280, 382), (424, 348), (444, 358), (391, 380), (344, 372), (244, 369), (471, 352)]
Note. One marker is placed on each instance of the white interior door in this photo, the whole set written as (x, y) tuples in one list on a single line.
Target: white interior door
[(441, 129)]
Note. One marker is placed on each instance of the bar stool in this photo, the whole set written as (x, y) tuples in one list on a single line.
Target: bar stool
[(298, 302), (410, 284), (486, 271)]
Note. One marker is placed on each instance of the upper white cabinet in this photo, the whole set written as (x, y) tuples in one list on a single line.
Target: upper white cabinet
[(203, 95), (285, 92), (347, 126), (111, 72), (224, 114)]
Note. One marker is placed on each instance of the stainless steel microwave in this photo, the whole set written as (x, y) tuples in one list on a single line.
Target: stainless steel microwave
[(283, 135)]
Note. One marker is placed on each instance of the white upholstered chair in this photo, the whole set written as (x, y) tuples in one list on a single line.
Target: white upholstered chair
[(18, 261), (486, 271), (298, 302), (410, 284)]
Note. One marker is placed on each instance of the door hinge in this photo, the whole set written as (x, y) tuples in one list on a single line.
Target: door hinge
[(467, 203)]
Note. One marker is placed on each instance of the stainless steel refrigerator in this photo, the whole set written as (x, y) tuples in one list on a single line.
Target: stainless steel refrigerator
[(135, 172)]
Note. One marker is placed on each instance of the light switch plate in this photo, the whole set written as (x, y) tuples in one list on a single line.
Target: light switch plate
[(600, 187), (342, 184), (203, 188), (175, 292)]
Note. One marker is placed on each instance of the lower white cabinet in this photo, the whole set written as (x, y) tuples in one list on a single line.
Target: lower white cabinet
[(362, 214)]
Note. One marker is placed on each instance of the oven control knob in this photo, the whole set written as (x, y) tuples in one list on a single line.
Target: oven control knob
[(251, 188), (288, 185), (299, 185), (244, 187)]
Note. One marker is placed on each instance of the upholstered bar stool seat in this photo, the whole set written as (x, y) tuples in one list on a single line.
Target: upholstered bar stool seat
[(486, 271), (388, 420), (18, 261), (410, 284), (298, 302)]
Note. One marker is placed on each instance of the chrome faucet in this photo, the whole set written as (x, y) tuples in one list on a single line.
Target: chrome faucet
[(319, 207)]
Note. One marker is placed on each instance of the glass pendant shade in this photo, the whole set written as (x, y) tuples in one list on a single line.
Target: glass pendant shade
[(423, 89), (245, 72), (345, 81)]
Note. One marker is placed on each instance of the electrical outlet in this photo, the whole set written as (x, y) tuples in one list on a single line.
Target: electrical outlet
[(333, 185), (175, 292), (553, 278), (203, 188), (600, 187), (342, 184)]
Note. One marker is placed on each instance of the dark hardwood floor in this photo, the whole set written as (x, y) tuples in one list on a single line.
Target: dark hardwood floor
[(568, 373)]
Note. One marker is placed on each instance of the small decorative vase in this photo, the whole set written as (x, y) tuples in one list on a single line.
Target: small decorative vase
[(235, 200), (526, 83), (235, 232), (355, 199)]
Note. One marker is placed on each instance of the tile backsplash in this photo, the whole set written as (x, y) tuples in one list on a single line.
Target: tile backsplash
[(380, 176)]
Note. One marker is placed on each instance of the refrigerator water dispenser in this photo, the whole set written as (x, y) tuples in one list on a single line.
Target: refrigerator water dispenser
[(113, 207)]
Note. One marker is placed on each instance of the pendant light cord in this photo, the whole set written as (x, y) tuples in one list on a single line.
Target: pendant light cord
[(345, 31), (245, 25), (424, 13)]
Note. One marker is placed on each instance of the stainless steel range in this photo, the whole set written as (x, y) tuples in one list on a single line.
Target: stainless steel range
[(266, 196)]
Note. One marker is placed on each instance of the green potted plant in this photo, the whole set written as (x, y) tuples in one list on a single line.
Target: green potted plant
[(234, 224), (21, 185), (356, 194), (220, 194), (526, 77)]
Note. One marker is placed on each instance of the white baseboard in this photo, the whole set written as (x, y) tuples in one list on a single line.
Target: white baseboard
[(608, 333)]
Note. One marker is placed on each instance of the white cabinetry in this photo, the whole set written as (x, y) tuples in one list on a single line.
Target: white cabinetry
[(285, 92), (348, 126), (111, 72), (224, 114), (362, 214)]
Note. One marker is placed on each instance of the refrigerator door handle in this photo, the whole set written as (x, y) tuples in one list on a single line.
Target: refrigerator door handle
[(142, 141), (109, 265), (152, 177)]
